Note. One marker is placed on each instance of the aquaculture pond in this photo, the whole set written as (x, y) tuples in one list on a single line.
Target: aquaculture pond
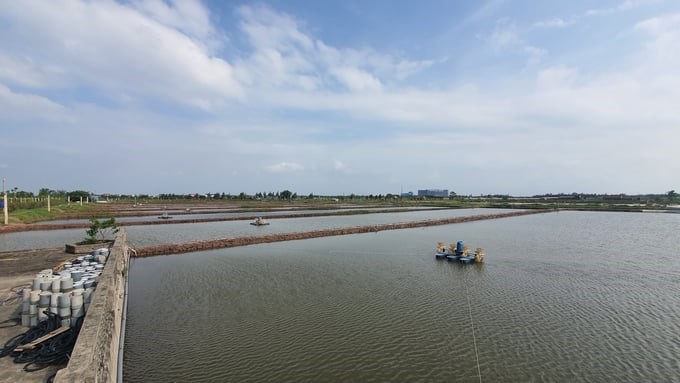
[(563, 297)]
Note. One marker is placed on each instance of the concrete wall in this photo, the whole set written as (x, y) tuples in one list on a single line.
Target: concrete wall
[(95, 356)]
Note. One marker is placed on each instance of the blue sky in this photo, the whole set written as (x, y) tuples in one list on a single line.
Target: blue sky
[(367, 97)]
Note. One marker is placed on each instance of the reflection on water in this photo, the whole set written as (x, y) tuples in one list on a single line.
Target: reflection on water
[(566, 296)]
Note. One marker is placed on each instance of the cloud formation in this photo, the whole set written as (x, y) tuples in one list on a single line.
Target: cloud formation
[(269, 101)]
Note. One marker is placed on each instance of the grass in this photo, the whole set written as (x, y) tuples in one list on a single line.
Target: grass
[(41, 213), (75, 210)]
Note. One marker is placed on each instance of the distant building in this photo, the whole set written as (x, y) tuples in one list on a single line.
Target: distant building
[(407, 195), (434, 193)]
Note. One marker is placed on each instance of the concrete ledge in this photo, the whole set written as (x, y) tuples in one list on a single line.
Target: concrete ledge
[(74, 248), (95, 355)]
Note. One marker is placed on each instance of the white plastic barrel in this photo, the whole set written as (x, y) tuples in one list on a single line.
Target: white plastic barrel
[(64, 312), (64, 301), (76, 301), (46, 284), (56, 285), (54, 299), (77, 312), (35, 297), (66, 284), (76, 275), (45, 298)]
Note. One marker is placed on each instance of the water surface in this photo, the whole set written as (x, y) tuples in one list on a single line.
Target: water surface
[(188, 232), (569, 296)]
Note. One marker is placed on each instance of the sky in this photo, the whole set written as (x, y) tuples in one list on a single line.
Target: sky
[(517, 97)]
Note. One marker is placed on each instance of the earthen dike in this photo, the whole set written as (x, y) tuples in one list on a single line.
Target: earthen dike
[(269, 238)]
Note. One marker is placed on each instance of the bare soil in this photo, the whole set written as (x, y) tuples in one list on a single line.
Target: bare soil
[(17, 269)]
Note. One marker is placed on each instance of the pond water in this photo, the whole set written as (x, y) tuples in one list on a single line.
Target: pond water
[(568, 296), (203, 214), (187, 232)]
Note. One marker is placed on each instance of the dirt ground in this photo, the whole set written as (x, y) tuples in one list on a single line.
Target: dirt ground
[(17, 269)]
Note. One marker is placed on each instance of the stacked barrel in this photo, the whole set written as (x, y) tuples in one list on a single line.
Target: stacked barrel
[(67, 294)]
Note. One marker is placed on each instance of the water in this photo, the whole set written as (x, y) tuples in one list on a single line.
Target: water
[(188, 232), (569, 296), (203, 214), (180, 233)]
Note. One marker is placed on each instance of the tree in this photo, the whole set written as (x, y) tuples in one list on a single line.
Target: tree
[(77, 194), (100, 230), (286, 194), (452, 194), (671, 196)]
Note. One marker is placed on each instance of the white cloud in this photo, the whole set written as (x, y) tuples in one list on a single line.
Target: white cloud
[(661, 25), (284, 55), (622, 6), (25, 72), (26, 106), (535, 54), (556, 22), (124, 51), (356, 79), (187, 16), (290, 95), (504, 35), (556, 77), (285, 167)]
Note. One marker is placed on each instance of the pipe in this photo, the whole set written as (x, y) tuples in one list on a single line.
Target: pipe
[(121, 341)]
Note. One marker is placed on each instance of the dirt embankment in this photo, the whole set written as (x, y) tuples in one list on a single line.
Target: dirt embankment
[(251, 240), (28, 262)]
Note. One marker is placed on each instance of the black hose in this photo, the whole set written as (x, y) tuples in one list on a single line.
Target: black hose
[(50, 379), (54, 351), (11, 344)]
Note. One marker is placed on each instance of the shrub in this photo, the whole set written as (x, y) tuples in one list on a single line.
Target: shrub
[(100, 231)]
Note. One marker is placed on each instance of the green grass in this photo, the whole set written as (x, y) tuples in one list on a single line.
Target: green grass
[(26, 214), (41, 213)]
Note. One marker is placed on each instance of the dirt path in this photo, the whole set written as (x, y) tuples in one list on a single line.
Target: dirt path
[(29, 262), (17, 269)]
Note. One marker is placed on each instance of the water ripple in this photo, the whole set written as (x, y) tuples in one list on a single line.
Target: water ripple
[(379, 308)]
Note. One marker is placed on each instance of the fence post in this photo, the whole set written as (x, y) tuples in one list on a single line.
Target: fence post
[(4, 208)]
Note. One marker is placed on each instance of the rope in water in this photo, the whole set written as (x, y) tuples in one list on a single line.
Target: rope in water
[(472, 325)]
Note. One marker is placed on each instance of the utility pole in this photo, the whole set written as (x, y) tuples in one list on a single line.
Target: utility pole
[(4, 202)]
